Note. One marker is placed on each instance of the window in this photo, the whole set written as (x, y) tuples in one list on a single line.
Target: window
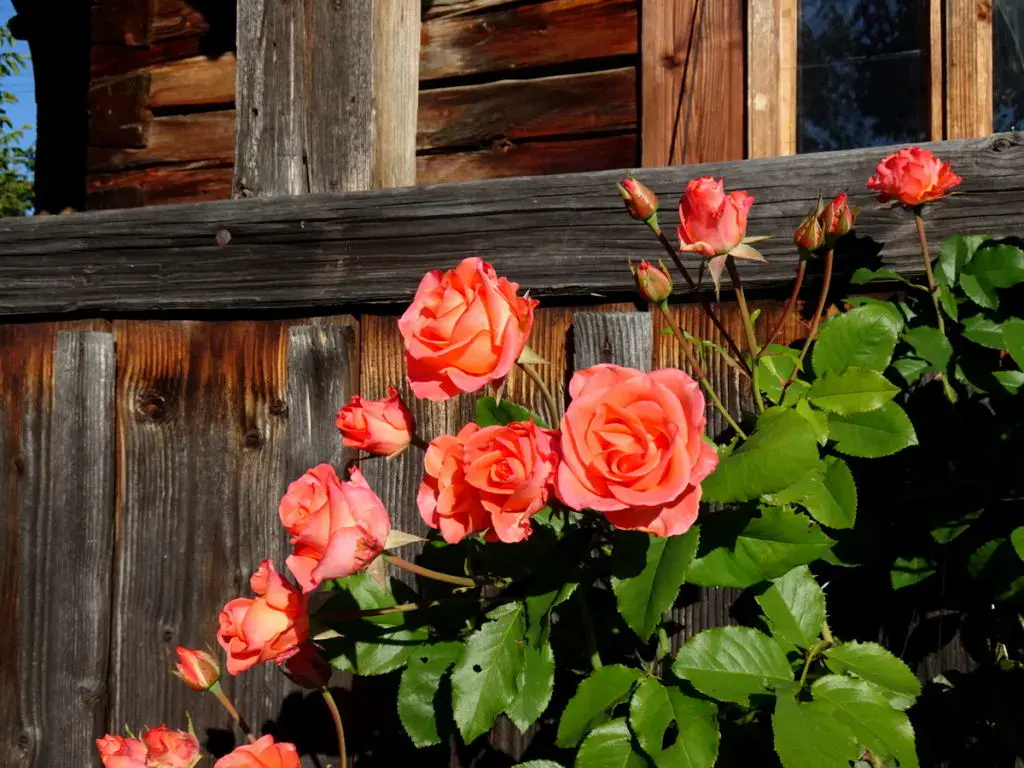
[(1007, 65)]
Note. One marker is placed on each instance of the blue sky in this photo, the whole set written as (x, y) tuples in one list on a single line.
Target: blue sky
[(24, 112)]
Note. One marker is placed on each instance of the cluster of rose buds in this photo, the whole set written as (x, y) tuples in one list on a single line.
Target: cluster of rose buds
[(824, 225), (159, 747)]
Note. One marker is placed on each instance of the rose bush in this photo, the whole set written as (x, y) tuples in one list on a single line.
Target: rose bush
[(561, 549)]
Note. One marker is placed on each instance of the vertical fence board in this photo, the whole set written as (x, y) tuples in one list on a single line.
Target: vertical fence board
[(623, 338)]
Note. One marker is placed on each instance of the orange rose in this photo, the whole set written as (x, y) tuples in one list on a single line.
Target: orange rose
[(198, 669), (265, 753), (445, 500), (119, 752), (171, 749), (383, 426), (337, 528), (464, 329), (632, 448), (267, 628), (712, 222), (913, 176)]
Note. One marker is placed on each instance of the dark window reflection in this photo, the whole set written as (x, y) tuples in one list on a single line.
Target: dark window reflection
[(1008, 63), (861, 68)]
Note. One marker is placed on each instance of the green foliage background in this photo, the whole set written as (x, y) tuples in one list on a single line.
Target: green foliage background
[(17, 163)]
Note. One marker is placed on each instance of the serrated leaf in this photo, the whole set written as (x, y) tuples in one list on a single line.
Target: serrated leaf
[(910, 369), (767, 547), (872, 662), (947, 301), (870, 435), (779, 452), (995, 568), (863, 276), (418, 690), (534, 685), (807, 735), (829, 494), (985, 331), (539, 764), (1011, 381), (956, 251), (734, 664), (644, 598), (1013, 336), (997, 266), (774, 368), (794, 606), (610, 746), (885, 731), (696, 744), (817, 419), (490, 412), (909, 571), (855, 390), (864, 337), (650, 714), (929, 344), (484, 679), (594, 700)]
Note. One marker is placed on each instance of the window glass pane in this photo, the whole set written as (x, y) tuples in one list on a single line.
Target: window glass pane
[(860, 78), (1008, 64)]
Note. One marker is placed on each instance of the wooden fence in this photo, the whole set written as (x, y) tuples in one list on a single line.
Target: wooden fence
[(165, 372)]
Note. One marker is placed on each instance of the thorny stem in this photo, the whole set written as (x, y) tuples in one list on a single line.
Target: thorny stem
[(826, 632), (932, 288), (222, 697), (819, 310), (336, 716), (748, 325), (798, 283), (549, 399), (704, 303), (699, 371), (427, 573)]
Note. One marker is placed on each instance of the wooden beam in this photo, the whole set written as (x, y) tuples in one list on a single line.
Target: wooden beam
[(968, 68), (936, 90), (396, 54), (559, 236), (692, 105), (771, 77)]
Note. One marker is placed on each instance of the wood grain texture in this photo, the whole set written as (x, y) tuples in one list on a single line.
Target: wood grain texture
[(771, 77), (622, 338), (968, 68), (198, 81), (305, 98), (119, 113), (692, 103), (523, 109), (559, 236), (936, 95), (487, 37), (531, 158), (205, 137), (396, 53), (160, 185)]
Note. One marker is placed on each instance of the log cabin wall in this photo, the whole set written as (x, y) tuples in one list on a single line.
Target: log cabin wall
[(506, 89)]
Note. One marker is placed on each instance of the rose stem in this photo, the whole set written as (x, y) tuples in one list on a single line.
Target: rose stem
[(347, 615), (336, 716), (427, 573), (588, 631), (699, 371), (932, 289), (748, 324), (549, 399), (826, 281), (801, 270), (218, 692), (704, 303)]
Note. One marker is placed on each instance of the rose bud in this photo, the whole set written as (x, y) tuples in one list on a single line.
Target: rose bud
[(838, 217), (171, 749), (653, 283), (640, 202), (307, 668), (119, 752), (810, 235), (198, 669), (265, 753), (912, 177), (383, 427)]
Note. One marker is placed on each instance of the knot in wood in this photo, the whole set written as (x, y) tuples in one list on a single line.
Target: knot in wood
[(277, 407), (253, 438), (223, 237), (152, 405), (167, 636), (19, 465), (673, 60), (1004, 143)]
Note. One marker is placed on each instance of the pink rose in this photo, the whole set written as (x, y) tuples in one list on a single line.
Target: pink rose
[(632, 448), (712, 222), (119, 752), (913, 176), (383, 426), (171, 749), (265, 753), (464, 329), (337, 528)]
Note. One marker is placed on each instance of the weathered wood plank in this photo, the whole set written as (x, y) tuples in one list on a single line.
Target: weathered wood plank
[(968, 68), (523, 109), (531, 35), (205, 137), (66, 540), (531, 158), (319, 138), (396, 55), (160, 185), (193, 82), (771, 77), (622, 338), (556, 235), (119, 112)]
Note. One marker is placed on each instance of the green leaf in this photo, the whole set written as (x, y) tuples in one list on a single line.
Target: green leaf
[(418, 690), (490, 412), (1011, 381), (734, 664), (997, 266), (910, 369), (909, 571), (956, 251), (650, 714), (696, 744), (644, 598), (794, 606), (807, 735), (538, 764), (871, 435), (594, 701), (534, 685), (885, 731), (774, 368), (995, 567), (829, 494), (766, 548), (1013, 336), (780, 451), (875, 664), (1017, 539), (817, 420), (853, 391), (983, 330), (947, 301), (929, 344), (863, 276), (864, 336), (610, 746), (484, 679)]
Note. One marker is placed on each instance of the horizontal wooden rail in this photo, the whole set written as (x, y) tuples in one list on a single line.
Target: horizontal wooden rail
[(560, 236)]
